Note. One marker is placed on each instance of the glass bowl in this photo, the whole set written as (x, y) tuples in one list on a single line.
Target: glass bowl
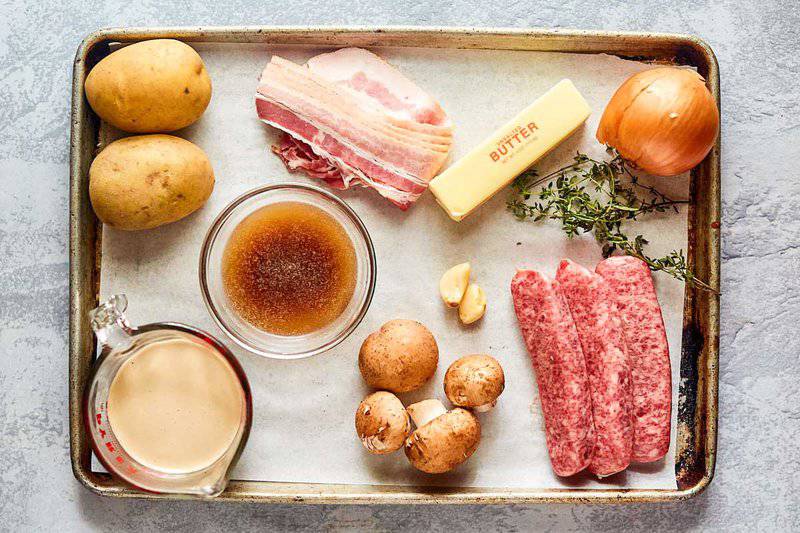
[(249, 336)]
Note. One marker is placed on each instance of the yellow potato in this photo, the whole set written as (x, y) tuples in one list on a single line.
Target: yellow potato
[(149, 180), (150, 86)]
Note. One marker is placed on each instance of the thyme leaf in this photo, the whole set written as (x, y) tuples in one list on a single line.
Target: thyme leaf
[(591, 195)]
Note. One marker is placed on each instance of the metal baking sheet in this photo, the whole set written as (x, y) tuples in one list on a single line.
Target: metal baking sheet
[(692, 474)]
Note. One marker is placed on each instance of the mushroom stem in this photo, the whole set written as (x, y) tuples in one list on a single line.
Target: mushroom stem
[(485, 407), (425, 411)]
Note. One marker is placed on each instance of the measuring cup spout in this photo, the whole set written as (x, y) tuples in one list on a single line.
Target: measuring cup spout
[(110, 323)]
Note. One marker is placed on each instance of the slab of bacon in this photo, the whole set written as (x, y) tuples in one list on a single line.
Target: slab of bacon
[(350, 119)]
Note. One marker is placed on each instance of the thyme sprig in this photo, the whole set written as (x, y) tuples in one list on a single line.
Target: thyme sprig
[(591, 195)]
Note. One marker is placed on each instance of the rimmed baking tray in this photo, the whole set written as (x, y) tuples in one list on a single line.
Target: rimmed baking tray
[(697, 406)]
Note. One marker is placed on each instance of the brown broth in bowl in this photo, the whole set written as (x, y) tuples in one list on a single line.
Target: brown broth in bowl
[(289, 268)]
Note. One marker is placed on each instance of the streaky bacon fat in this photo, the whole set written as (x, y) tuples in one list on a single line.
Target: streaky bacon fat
[(351, 119)]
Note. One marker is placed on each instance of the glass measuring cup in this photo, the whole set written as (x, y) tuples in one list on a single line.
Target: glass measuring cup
[(119, 343)]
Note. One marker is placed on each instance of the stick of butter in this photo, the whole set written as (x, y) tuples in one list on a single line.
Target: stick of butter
[(539, 128)]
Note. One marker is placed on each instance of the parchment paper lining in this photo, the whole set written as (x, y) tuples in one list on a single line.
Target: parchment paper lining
[(303, 428)]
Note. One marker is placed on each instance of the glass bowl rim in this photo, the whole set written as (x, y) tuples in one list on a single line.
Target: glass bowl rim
[(210, 239)]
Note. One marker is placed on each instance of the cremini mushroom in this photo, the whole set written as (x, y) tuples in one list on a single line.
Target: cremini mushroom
[(382, 423), (443, 439), (475, 382), (399, 357)]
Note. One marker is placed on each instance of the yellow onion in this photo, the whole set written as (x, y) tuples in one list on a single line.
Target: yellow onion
[(663, 120)]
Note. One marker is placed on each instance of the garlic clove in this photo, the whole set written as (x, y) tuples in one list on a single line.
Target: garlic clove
[(473, 305), (453, 284)]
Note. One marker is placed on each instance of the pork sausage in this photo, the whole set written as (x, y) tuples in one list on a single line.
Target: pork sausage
[(632, 287), (561, 376), (600, 330)]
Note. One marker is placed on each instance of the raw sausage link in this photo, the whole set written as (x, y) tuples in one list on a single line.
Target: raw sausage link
[(643, 325), (555, 350), (595, 314)]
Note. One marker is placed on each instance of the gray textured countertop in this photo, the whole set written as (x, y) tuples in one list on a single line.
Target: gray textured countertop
[(756, 483)]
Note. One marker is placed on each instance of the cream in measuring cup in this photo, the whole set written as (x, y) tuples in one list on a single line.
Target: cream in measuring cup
[(175, 406), (169, 407)]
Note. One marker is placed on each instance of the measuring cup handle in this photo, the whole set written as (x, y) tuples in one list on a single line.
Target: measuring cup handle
[(110, 323)]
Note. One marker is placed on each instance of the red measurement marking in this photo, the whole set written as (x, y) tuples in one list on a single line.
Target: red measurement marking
[(119, 459), (132, 470), (110, 446), (99, 419), (102, 433)]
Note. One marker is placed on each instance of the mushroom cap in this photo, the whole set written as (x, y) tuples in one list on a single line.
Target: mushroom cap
[(399, 357), (445, 442), (382, 423), (474, 381)]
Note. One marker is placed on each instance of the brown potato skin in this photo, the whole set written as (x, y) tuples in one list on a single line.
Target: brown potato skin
[(377, 413), (399, 357), (474, 380), (146, 181), (444, 443), (151, 86)]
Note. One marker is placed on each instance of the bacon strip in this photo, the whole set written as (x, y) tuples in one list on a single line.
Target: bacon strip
[(349, 129), (367, 73), (365, 133), (363, 106), (297, 155), (396, 187)]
